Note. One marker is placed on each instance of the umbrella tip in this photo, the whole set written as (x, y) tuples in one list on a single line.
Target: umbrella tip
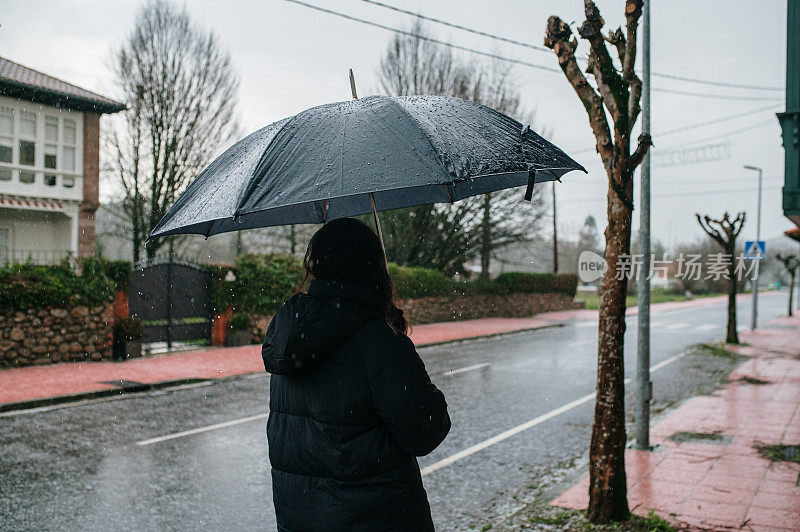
[(353, 85)]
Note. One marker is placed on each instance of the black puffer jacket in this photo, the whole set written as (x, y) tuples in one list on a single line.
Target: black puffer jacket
[(350, 407)]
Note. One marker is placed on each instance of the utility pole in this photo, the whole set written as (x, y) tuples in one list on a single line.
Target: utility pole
[(555, 232), (754, 320), (644, 387)]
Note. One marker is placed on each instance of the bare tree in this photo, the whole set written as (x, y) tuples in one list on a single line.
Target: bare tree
[(180, 88), (724, 231), (617, 93), (792, 263), (447, 236)]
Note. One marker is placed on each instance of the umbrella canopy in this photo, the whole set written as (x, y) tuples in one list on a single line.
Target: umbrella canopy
[(327, 162)]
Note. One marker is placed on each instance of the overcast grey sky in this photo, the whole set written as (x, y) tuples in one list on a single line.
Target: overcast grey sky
[(290, 58)]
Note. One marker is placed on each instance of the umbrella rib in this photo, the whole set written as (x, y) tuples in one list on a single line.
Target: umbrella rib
[(210, 228)]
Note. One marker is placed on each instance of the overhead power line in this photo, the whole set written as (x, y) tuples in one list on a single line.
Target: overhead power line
[(717, 120), (424, 37), (543, 49), (501, 57), (459, 27), (690, 143), (681, 194), (719, 96), (699, 125)]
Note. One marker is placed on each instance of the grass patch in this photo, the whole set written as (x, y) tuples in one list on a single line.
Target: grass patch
[(780, 453), (713, 438), (562, 519), (752, 380), (558, 519), (592, 300), (718, 351)]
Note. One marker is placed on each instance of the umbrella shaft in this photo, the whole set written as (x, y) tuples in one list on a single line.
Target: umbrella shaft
[(377, 222)]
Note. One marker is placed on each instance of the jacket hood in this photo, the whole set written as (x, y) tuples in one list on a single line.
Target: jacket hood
[(310, 325)]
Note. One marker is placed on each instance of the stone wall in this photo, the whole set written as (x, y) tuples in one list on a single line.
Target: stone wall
[(454, 308), (52, 335)]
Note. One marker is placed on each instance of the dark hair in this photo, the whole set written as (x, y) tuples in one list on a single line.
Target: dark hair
[(347, 250)]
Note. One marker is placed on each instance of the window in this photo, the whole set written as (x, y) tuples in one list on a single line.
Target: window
[(36, 147), (69, 131), (68, 160), (6, 142), (27, 124), (27, 152), (51, 129), (27, 130), (50, 156)]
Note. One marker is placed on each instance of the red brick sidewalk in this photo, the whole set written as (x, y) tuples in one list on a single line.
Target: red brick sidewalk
[(23, 385), (706, 486)]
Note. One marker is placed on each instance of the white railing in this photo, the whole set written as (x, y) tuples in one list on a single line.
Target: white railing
[(35, 256), (61, 189)]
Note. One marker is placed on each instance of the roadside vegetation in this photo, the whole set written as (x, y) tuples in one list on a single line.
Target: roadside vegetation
[(658, 295)]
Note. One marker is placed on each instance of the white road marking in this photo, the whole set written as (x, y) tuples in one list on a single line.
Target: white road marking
[(442, 463), (201, 429), (706, 327), (529, 424), (468, 368), (679, 325), (83, 402), (581, 342)]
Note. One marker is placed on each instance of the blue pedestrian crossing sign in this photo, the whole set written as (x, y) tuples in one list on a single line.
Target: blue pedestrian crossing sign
[(755, 250)]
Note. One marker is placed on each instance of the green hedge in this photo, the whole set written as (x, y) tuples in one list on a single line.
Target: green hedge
[(421, 282), (537, 283), (27, 286), (263, 283), (118, 271)]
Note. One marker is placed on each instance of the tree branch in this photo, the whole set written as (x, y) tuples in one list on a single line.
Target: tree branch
[(611, 85), (559, 39)]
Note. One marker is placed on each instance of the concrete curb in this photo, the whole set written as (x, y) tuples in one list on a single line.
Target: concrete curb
[(96, 394), (130, 388)]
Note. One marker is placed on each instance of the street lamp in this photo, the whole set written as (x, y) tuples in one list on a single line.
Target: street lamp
[(754, 321)]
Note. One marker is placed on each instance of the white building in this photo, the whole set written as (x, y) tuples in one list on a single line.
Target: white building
[(49, 165)]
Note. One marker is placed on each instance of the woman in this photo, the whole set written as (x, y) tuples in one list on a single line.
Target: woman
[(351, 405)]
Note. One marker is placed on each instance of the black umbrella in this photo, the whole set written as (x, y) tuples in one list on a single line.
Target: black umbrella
[(374, 154)]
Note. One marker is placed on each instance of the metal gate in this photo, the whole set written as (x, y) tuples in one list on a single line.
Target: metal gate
[(173, 300)]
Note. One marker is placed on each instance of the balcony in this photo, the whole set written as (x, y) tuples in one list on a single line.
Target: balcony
[(59, 185)]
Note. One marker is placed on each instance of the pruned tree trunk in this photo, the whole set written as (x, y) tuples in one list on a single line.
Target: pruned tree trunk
[(555, 232), (791, 263), (486, 236), (618, 93), (732, 334), (724, 231)]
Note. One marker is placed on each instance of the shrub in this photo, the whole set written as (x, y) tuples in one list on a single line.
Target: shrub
[(128, 330), (239, 322), (29, 285), (118, 271), (263, 283), (536, 283), (419, 282), (422, 282)]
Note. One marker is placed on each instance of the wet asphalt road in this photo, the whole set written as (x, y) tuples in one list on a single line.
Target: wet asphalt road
[(80, 467)]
